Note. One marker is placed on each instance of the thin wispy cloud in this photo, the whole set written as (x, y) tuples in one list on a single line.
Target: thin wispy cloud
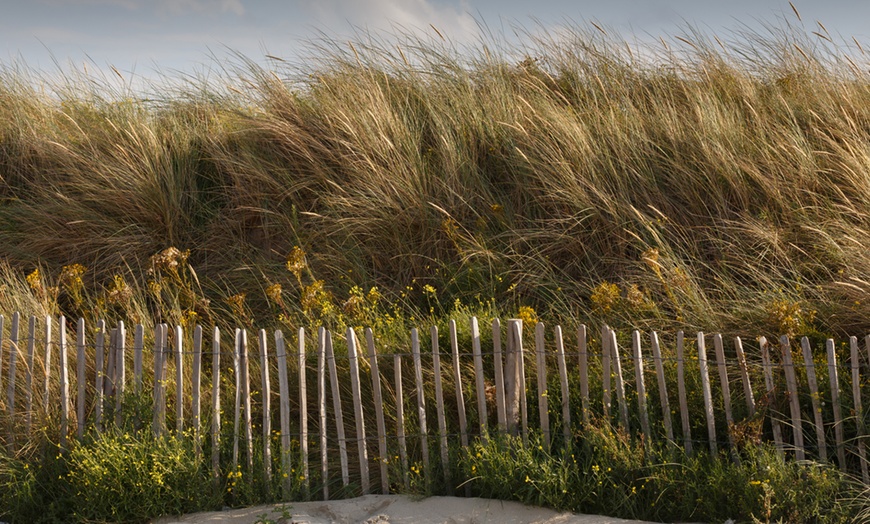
[(183, 7)]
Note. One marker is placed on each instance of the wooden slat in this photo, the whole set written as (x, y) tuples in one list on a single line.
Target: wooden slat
[(511, 381), (479, 378), (583, 356), (744, 375), (237, 376), (771, 394), (563, 383), (337, 412), (63, 375), (663, 387), (196, 383), (138, 350), (814, 397), (321, 406), (541, 361), (362, 450), (620, 384), (158, 423), (681, 392), (99, 376), (121, 377), (793, 401), (835, 401), (719, 347), (439, 406), (859, 408), (640, 385), (521, 364), (265, 385), (284, 411), (498, 364), (2, 321), (81, 380), (383, 456), (244, 366), (13, 364), (606, 370), (109, 376), (179, 381), (400, 420), (31, 347), (457, 380), (708, 395), (46, 405), (303, 408), (215, 401), (421, 403)]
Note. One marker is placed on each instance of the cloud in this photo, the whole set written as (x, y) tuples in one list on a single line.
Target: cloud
[(453, 19), (181, 7)]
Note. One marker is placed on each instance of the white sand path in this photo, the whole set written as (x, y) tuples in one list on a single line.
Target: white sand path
[(397, 509)]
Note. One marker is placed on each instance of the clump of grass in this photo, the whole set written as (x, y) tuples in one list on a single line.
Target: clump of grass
[(605, 472)]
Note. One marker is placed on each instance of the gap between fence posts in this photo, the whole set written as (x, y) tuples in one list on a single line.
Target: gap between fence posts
[(726, 394), (498, 364), (583, 357)]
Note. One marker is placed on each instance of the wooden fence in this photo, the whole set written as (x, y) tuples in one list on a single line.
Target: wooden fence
[(800, 405)]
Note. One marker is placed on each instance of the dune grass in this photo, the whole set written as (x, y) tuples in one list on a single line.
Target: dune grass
[(694, 185)]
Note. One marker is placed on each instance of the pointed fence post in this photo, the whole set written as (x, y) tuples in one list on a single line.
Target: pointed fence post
[(606, 372), (421, 404), (708, 395), (814, 397), (267, 407), (383, 457), (681, 390), (439, 406), (563, 383), (284, 410), (793, 401), (859, 408), (663, 387), (479, 378), (541, 361), (215, 402), (835, 401), (641, 387), (771, 394), (457, 380), (31, 347), (47, 369), (744, 374), (81, 379), (321, 407), (64, 383), (726, 392), (303, 408), (196, 383), (336, 405), (121, 375), (620, 384), (358, 416)]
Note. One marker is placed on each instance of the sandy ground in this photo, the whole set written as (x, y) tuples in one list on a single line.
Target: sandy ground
[(397, 509)]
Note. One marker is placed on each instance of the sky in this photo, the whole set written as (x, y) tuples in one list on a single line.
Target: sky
[(160, 38)]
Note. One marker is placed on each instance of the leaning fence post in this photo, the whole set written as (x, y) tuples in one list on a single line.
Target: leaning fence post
[(708, 395), (663, 387), (771, 394), (563, 383), (793, 401), (835, 400), (379, 411), (814, 396), (543, 405), (439, 405), (64, 384), (31, 346), (859, 408), (80, 378), (641, 387), (681, 390), (284, 409), (359, 419)]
